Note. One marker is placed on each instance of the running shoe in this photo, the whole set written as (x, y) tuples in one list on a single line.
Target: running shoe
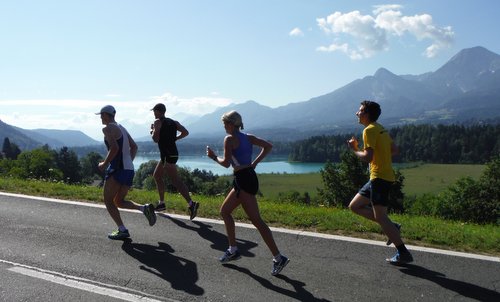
[(160, 207), (399, 259), (193, 210), (117, 235), (230, 257), (398, 226), (278, 266), (149, 212)]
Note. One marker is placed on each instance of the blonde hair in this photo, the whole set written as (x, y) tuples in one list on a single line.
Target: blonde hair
[(234, 118)]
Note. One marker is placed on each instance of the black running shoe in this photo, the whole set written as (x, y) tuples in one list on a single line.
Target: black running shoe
[(230, 257), (193, 210), (278, 266), (118, 235), (400, 258), (160, 207), (149, 212)]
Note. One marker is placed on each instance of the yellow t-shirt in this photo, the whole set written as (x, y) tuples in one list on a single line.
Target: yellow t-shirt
[(377, 138)]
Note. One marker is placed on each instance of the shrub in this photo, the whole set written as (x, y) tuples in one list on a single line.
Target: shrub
[(475, 201), (197, 181), (144, 172), (342, 181), (465, 200), (425, 205)]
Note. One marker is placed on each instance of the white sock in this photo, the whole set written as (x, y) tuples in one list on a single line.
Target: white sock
[(232, 249)]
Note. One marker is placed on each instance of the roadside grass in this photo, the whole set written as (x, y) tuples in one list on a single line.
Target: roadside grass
[(422, 231)]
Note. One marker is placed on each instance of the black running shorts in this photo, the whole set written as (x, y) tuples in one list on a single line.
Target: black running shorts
[(377, 190), (246, 180)]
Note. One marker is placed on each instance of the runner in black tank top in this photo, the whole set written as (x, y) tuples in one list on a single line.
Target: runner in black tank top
[(164, 132)]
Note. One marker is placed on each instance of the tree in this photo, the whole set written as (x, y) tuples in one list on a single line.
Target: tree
[(89, 163), (10, 150), (143, 175), (38, 163), (342, 181), (6, 166), (67, 162)]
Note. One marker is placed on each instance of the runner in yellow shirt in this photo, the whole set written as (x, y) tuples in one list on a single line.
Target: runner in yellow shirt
[(378, 149)]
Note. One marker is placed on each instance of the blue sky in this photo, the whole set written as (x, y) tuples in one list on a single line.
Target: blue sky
[(60, 61)]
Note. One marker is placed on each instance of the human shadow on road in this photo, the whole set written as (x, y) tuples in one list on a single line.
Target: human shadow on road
[(160, 261), (462, 288), (300, 292), (218, 240)]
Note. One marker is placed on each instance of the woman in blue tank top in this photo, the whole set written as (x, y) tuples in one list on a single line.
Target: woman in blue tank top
[(238, 154)]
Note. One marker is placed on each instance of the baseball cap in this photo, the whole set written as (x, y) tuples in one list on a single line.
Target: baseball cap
[(107, 109), (160, 107)]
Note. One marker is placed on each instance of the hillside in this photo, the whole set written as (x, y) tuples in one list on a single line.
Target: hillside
[(30, 139), (60, 138), (17, 137)]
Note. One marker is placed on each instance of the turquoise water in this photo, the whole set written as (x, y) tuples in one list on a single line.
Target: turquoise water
[(204, 163)]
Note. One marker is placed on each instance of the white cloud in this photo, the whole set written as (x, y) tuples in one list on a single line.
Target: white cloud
[(385, 7), (353, 54), (194, 106), (367, 35), (296, 32)]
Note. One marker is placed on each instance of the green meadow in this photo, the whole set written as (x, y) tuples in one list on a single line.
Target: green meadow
[(419, 179), (434, 178)]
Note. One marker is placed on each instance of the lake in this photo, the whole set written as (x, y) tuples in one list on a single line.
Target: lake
[(274, 165)]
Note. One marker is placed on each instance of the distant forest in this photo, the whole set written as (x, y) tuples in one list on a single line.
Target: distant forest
[(187, 146), (447, 144)]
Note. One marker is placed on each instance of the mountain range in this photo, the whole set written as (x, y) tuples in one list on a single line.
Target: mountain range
[(466, 89), (30, 139)]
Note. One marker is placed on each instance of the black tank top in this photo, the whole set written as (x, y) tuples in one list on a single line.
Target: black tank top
[(168, 135)]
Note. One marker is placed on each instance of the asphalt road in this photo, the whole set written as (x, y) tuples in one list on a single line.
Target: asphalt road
[(52, 251)]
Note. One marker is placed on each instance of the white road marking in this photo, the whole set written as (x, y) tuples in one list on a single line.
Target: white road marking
[(281, 230), (83, 284)]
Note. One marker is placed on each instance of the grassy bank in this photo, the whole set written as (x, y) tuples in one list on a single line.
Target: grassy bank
[(423, 231), (419, 180)]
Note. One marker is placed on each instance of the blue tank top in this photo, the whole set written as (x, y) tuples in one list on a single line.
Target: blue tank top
[(242, 155)]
